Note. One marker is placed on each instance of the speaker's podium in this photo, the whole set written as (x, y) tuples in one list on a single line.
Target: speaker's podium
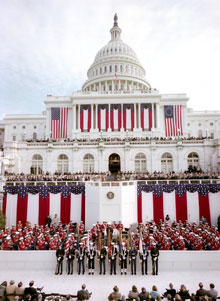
[(111, 201)]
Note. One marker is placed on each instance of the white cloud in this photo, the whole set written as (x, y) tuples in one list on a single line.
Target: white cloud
[(47, 47)]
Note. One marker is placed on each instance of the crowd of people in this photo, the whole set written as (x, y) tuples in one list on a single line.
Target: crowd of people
[(165, 235), (117, 139), (171, 294), (104, 176), (13, 292)]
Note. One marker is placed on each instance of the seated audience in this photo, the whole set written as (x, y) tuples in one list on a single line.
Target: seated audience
[(170, 291), (115, 295), (144, 295), (3, 286), (154, 293), (134, 294), (83, 294), (31, 292), (10, 291), (183, 292), (19, 291), (212, 292), (201, 292)]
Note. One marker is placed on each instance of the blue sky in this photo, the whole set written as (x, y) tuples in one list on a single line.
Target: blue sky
[(47, 47)]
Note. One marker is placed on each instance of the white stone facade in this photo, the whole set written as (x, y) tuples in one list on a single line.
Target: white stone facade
[(116, 77)]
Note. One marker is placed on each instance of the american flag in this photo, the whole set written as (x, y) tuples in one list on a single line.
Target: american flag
[(173, 120), (59, 117)]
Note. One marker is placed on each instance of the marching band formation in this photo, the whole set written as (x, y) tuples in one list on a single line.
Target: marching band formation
[(110, 243)]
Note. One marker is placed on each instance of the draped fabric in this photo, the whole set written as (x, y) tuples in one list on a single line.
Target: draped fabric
[(128, 116), (35, 203), (103, 119), (173, 120), (115, 117), (182, 202), (146, 116), (85, 118)]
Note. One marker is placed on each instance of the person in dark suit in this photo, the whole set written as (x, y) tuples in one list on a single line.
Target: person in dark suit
[(60, 252), (133, 259), (113, 258), (154, 257), (83, 294), (48, 221), (102, 257), (91, 253), (143, 257), (80, 258), (123, 259), (70, 255), (31, 292)]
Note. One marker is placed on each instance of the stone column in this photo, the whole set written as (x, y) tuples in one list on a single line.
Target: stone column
[(135, 116), (157, 116), (79, 118), (74, 117), (48, 123), (153, 125), (92, 115), (108, 125), (96, 115), (139, 116)]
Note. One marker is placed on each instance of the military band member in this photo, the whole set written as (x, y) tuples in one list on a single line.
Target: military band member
[(69, 260), (102, 258), (80, 259), (154, 256), (123, 259), (91, 253), (60, 256), (143, 258), (113, 252), (133, 259)]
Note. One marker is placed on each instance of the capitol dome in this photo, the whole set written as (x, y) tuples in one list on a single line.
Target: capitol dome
[(116, 67)]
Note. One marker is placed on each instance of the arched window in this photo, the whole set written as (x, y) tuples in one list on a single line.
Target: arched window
[(62, 163), (193, 161), (166, 162), (140, 163), (36, 165), (88, 163)]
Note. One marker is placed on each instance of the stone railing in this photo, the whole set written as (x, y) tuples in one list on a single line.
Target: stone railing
[(111, 183)]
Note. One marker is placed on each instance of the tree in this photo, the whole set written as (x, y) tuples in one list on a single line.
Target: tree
[(2, 220)]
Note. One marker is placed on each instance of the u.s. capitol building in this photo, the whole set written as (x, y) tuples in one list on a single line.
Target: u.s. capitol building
[(117, 122)]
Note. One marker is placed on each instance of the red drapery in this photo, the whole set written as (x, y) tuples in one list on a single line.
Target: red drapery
[(158, 208), (44, 204), (22, 204), (181, 207), (65, 209)]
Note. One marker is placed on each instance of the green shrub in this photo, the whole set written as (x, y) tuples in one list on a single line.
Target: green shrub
[(2, 220)]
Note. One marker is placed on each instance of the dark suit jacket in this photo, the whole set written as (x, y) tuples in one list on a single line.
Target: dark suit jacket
[(83, 295)]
